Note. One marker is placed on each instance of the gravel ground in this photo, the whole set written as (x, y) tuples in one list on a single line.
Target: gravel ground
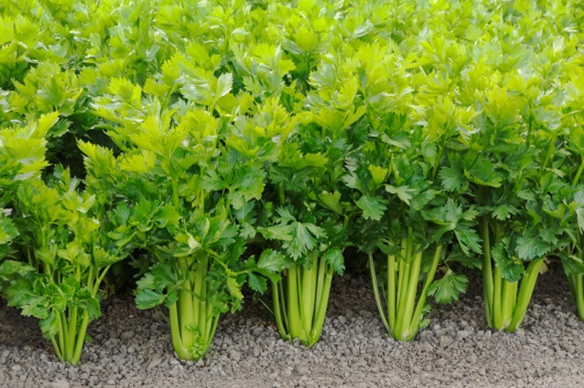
[(131, 348)]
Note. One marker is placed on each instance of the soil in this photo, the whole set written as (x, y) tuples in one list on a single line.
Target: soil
[(131, 348)]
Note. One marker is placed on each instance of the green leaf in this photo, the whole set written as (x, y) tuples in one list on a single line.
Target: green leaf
[(403, 192), (148, 298), (579, 201), (363, 30), (372, 207), (8, 231), (482, 172), (531, 246), (451, 179), (51, 325), (167, 215), (468, 239), (378, 173), (9, 269), (511, 268), (121, 214), (234, 288), (448, 288), (213, 182), (85, 300), (280, 232), (272, 261), (334, 258), (224, 83), (504, 212), (251, 185), (257, 283), (332, 201), (572, 265), (315, 160), (305, 237), (352, 181), (164, 276)]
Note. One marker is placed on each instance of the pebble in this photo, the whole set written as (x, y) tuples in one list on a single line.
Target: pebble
[(154, 363), (59, 384), (446, 341)]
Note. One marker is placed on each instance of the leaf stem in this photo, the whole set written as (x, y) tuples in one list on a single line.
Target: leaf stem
[(488, 288), (378, 301), (424, 295), (578, 292), (579, 172), (80, 338), (525, 292), (322, 304), (281, 196), (391, 292), (175, 333)]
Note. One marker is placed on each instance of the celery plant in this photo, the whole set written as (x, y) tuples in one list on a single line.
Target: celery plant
[(58, 279), (310, 231), (65, 235), (305, 216), (514, 162), (413, 239), (64, 239), (514, 180), (410, 205), (191, 173)]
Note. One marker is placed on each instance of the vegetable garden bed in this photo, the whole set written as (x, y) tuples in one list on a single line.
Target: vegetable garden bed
[(190, 150)]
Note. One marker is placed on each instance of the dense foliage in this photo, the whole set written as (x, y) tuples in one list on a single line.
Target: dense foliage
[(233, 142)]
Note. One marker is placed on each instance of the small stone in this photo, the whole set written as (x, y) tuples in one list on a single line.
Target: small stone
[(462, 334), (59, 384), (569, 348), (127, 335), (234, 355), (303, 371), (342, 320), (154, 363), (446, 341)]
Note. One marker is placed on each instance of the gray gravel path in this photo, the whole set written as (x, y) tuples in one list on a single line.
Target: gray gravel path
[(131, 348)]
